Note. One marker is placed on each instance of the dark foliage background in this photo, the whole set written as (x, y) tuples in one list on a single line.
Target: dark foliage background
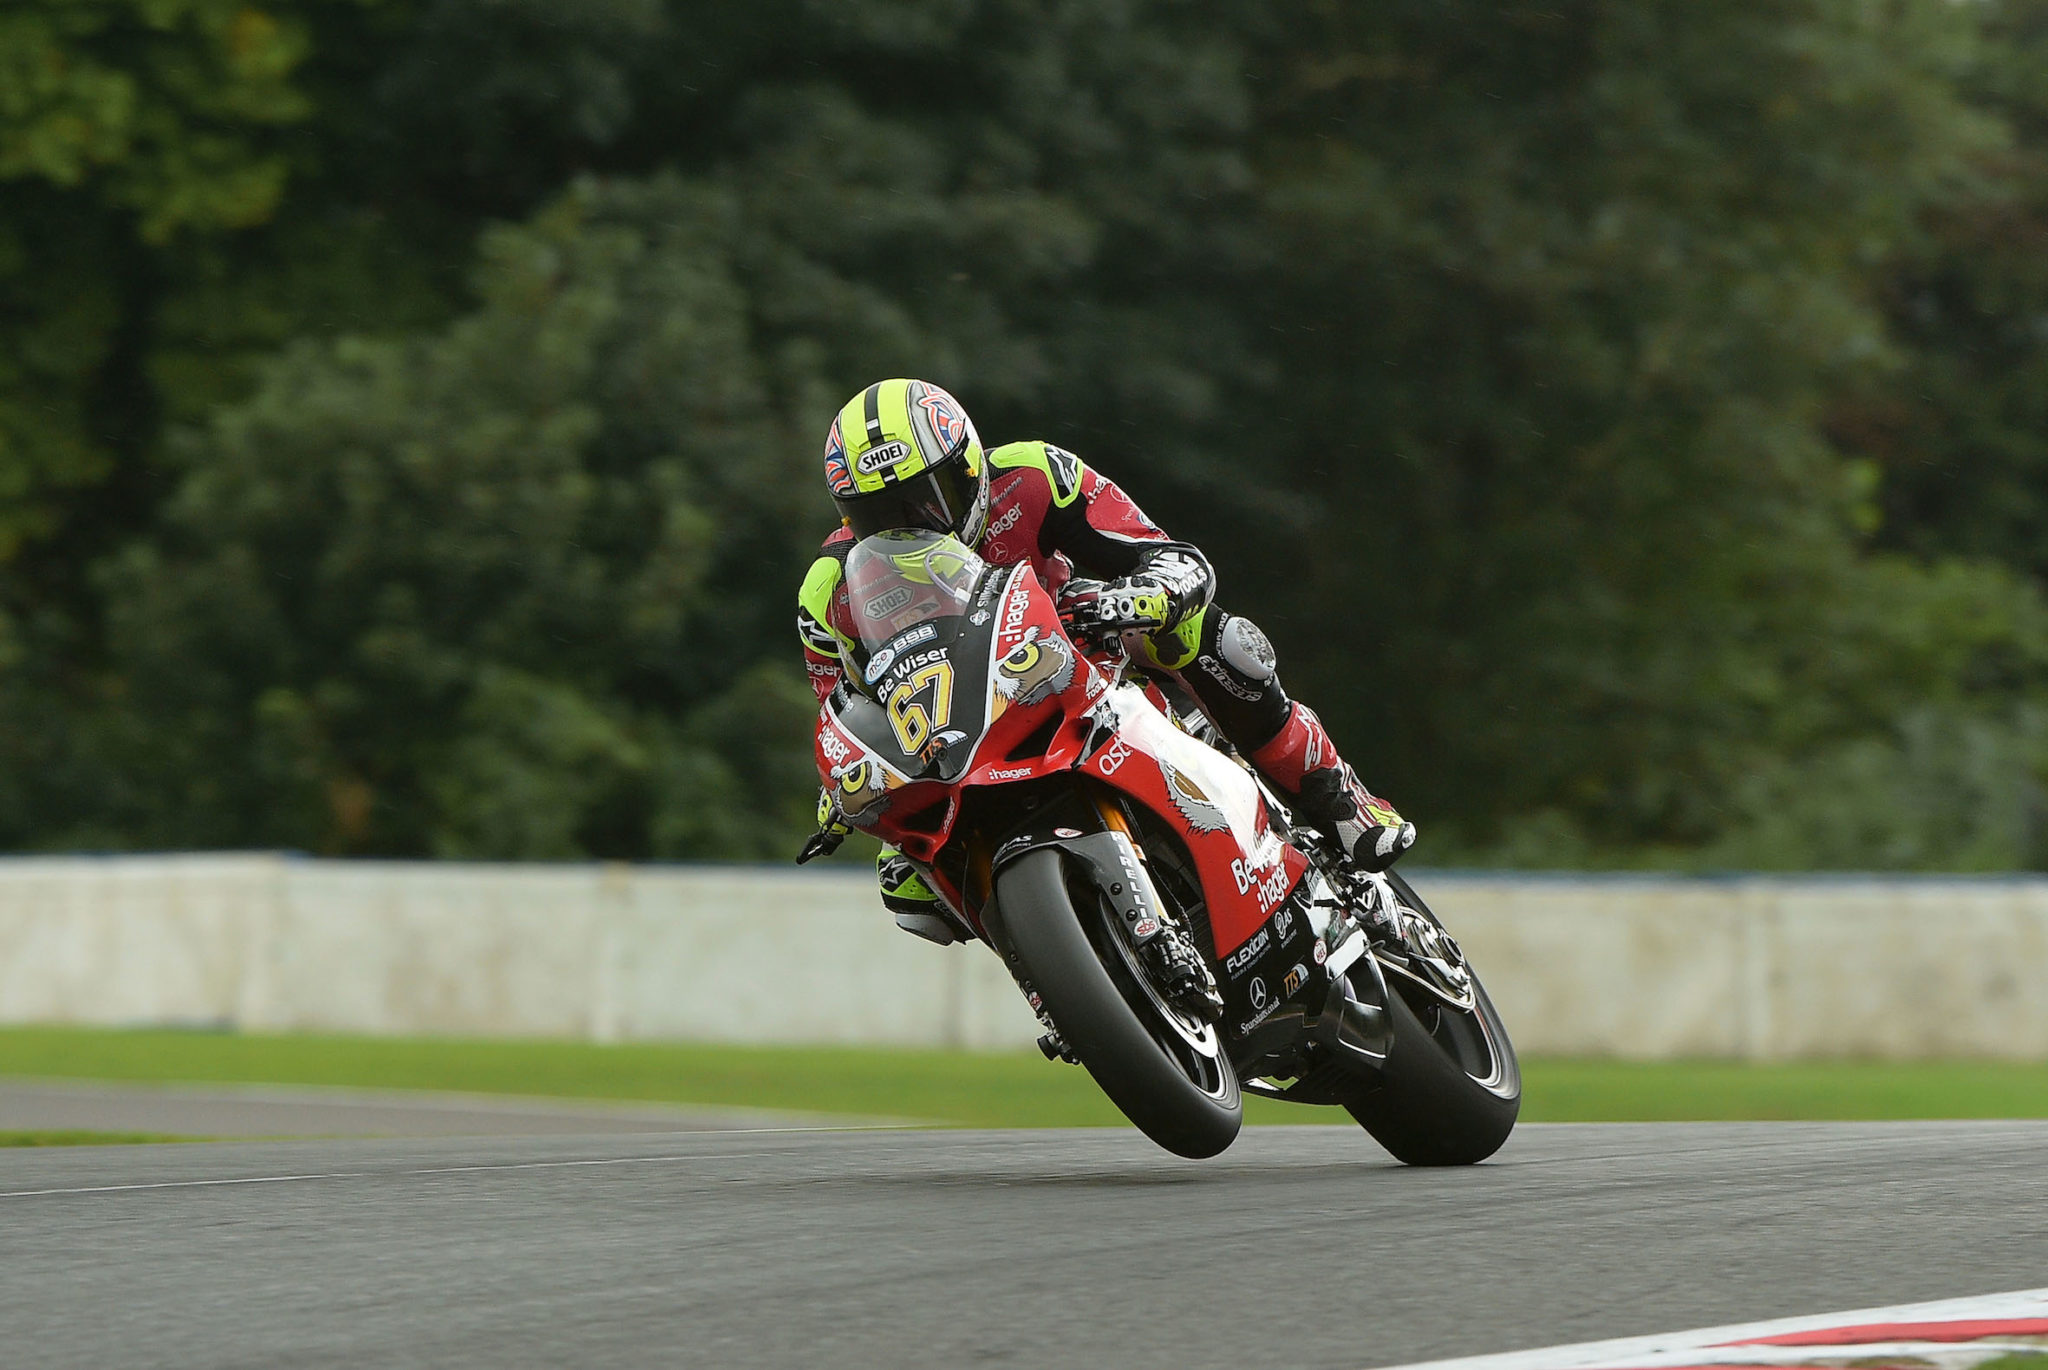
[(1630, 419)]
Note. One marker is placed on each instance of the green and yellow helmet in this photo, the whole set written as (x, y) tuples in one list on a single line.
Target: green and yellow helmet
[(904, 454)]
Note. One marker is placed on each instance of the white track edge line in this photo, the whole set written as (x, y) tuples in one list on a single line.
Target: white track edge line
[(180, 1184), (397, 1174), (1584, 1355)]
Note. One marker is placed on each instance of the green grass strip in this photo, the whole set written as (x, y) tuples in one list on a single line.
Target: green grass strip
[(966, 1089), (80, 1137), (963, 1089)]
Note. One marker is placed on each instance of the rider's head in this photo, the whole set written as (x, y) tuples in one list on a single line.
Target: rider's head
[(903, 454)]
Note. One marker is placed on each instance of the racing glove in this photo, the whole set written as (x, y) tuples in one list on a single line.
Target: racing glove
[(1099, 610), (1173, 583)]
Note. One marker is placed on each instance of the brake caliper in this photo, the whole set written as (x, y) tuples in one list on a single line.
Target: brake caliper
[(1183, 977)]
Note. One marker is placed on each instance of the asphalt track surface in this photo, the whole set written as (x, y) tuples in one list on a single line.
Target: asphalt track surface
[(1298, 1247), (229, 1111)]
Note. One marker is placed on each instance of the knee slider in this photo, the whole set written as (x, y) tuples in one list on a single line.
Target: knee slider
[(1246, 650)]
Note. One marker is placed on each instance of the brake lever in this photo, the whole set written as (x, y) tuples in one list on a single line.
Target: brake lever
[(822, 843)]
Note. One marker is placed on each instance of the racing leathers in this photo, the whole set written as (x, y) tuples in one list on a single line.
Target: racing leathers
[(1047, 508)]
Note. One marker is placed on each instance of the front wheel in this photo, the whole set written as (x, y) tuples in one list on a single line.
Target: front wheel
[(1166, 1071)]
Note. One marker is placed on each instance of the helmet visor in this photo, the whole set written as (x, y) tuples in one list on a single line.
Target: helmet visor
[(943, 498)]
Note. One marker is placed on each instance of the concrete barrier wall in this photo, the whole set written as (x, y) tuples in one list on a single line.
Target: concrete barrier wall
[(1582, 965)]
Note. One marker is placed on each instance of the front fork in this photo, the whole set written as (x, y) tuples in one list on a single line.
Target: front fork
[(1169, 951), (1161, 940)]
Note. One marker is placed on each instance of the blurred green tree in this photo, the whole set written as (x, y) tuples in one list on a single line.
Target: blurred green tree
[(647, 356), (1542, 378), (1960, 427), (463, 594), (120, 121), (1563, 298)]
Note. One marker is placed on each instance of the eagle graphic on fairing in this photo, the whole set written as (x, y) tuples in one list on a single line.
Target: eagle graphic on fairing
[(1192, 801), (1035, 669)]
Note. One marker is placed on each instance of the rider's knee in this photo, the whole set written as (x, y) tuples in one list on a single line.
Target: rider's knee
[(1246, 651), (1236, 677), (1238, 657)]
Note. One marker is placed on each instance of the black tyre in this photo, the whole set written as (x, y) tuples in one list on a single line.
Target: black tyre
[(1452, 1088), (1165, 1071)]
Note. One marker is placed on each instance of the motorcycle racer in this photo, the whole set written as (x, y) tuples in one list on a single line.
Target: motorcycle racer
[(903, 453)]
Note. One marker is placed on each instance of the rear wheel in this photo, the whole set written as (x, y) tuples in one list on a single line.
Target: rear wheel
[(1164, 1069), (1451, 1089)]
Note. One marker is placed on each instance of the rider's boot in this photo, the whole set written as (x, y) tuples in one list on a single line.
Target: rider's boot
[(1303, 763), (917, 906)]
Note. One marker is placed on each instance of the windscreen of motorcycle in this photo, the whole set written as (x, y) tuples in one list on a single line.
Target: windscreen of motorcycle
[(901, 580), (911, 592)]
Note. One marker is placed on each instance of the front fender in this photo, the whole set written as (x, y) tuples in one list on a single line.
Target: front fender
[(1109, 860)]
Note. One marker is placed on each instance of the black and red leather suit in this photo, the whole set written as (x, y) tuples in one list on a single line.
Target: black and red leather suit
[(1049, 509)]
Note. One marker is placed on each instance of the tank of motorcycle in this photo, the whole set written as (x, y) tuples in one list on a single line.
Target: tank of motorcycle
[(1247, 869), (967, 679)]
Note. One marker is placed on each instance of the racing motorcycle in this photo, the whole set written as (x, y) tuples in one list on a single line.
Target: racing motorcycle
[(1175, 932)]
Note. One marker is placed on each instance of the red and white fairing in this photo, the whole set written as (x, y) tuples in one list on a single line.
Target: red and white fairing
[(1247, 869), (1035, 675)]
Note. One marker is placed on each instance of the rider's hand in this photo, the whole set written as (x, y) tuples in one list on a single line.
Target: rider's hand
[(832, 828), (830, 817), (1099, 610)]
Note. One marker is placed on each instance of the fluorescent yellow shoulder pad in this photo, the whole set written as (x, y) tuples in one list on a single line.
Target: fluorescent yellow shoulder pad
[(1063, 470), (814, 608)]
